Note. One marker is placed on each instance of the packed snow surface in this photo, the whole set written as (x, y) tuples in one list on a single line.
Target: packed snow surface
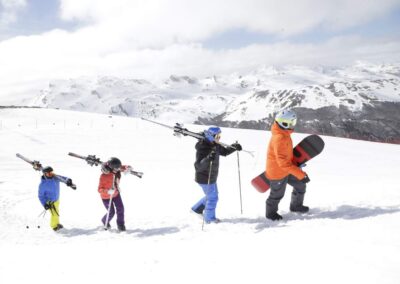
[(350, 235)]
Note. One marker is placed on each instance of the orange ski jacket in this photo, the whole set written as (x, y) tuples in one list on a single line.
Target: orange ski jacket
[(106, 183), (280, 155)]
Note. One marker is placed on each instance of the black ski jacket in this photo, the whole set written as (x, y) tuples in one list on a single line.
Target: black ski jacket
[(202, 164)]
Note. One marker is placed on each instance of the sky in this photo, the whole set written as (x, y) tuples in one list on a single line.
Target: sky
[(43, 39)]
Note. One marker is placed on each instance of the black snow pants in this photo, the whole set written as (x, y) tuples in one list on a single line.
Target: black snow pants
[(277, 191)]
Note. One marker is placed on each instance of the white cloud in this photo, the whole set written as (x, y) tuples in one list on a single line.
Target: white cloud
[(162, 22), (9, 10), (61, 54)]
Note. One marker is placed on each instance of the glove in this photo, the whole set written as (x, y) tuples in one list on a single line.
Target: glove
[(69, 182), (127, 170), (212, 154), (306, 179), (237, 146), (111, 191), (48, 205)]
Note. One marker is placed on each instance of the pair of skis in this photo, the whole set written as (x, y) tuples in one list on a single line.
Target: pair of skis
[(179, 131), (92, 160), (38, 167)]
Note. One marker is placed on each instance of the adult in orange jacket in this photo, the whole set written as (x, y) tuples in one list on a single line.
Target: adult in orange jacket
[(109, 187), (281, 170)]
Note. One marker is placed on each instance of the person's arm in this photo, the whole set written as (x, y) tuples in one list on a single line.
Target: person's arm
[(229, 150), (65, 180), (42, 194), (284, 161)]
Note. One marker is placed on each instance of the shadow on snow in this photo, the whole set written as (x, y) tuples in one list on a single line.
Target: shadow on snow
[(141, 233), (345, 212)]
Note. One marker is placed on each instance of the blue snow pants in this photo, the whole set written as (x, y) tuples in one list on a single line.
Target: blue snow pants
[(208, 202)]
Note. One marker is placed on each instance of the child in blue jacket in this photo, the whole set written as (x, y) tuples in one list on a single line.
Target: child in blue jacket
[(49, 194)]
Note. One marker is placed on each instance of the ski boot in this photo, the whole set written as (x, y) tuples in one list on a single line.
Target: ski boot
[(299, 208), (58, 227), (274, 217)]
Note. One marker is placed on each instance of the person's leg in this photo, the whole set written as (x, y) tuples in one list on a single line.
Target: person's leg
[(299, 190), (199, 206), (55, 217), (277, 191), (211, 200), (119, 205), (106, 203)]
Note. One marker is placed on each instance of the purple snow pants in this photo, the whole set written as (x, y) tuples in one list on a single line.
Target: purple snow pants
[(116, 205)]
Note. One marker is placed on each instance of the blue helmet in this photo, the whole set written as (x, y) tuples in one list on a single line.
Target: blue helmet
[(214, 130), (211, 132)]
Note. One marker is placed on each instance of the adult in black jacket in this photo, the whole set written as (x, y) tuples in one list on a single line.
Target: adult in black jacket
[(207, 165)]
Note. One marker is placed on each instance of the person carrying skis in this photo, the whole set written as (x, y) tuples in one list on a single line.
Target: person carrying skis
[(206, 166), (280, 170), (110, 192), (49, 194)]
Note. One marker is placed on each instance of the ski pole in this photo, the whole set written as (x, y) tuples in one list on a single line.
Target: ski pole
[(208, 189), (43, 213), (37, 225), (240, 183), (109, 206)]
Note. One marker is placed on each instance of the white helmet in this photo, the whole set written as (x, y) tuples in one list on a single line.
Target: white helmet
[(286, 119)]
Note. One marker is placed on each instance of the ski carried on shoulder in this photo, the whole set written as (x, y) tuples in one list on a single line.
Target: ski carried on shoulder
[(92, 160), (179, 131), (38, 167)]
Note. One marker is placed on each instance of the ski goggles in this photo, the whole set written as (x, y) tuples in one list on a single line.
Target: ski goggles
[(287, 123)]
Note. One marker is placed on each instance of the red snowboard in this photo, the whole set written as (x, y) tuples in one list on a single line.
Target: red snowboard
[(307, 149)]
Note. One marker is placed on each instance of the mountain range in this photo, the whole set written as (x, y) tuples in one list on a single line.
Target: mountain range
[(361, 101)]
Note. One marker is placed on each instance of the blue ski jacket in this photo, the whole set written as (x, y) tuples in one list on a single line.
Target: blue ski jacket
[(49, 188)]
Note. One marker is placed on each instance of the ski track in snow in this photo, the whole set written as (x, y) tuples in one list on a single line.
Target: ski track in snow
[(351, 234)]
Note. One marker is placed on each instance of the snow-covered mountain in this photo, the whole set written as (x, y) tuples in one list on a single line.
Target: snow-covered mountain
[(361, 101)]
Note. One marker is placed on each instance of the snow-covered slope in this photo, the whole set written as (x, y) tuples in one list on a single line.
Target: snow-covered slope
[(351, 235)]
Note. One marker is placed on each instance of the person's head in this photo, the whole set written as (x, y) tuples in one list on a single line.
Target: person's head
[(113, 164), (215, 132), (286, 119), (48, 172)]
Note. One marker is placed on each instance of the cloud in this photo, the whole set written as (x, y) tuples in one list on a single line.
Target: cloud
[(160, 22), (9, 10), (59, 54)]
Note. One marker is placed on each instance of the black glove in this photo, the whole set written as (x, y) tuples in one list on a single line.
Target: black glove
[(48, 205), (70, 184), (212, 154), (237, 146), (305, 179)]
